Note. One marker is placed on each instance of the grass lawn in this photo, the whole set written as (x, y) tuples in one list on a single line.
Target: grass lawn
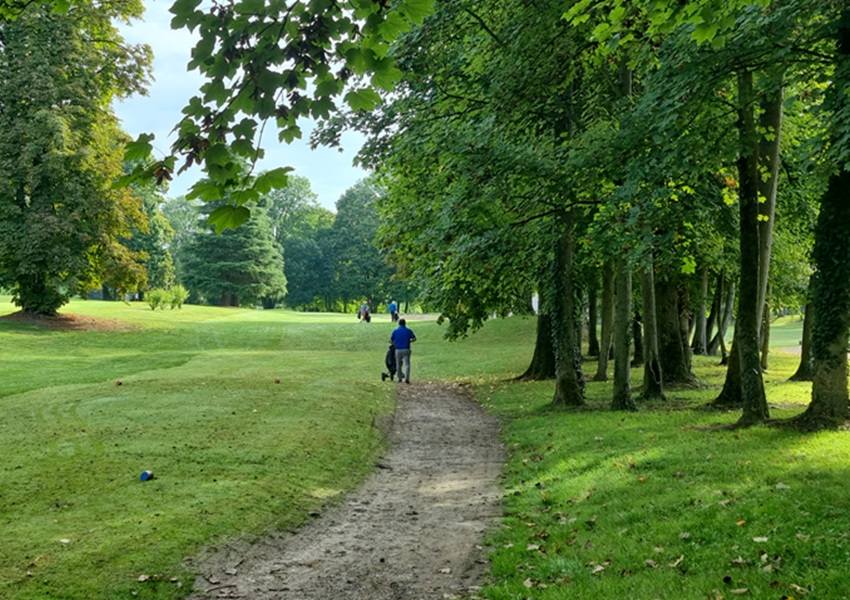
[(233, 453), (663, 504), (653, 504)]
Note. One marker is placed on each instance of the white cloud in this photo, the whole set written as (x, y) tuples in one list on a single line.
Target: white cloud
[(330, 171)]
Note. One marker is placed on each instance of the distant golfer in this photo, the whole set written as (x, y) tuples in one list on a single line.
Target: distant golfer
[(401, 338)]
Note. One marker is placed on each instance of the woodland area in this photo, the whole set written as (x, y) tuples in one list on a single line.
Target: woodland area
[(678, 165)]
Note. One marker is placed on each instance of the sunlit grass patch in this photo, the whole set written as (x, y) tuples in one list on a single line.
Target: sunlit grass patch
[(663, 503)]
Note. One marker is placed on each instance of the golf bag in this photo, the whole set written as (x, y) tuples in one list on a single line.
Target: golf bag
[(390, 364)]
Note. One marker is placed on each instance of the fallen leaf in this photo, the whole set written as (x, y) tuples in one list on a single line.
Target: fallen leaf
[(143, 577), (740, 522), (684, 535), (599, 438), (658, 549), (651, 563), (800, 590), (445, 570), (533, 547), (598, 569), (739, 591), (760, 539), (782, 486), (677, 562), (64, 541), (509, 545), (738, 562)]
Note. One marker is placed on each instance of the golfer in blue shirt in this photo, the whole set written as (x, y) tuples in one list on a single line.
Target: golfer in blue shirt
[(402, 337)]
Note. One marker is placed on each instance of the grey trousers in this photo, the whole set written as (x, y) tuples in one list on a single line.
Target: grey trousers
[(402, 359)]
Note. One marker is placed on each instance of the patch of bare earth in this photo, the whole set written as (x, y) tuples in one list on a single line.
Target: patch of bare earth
[(412, 530), (67, 322)]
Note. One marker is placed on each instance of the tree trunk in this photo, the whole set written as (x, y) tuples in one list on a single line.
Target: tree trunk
[(543, 360), (622, 399), (770, 126), (700, 343), (765, 338), (831, 304), (569, 380), (725, 317), (607, 320), (713, 315), (637, 335), (730, 395), (653, 386), (685, 322), (672, 352), (806, 370), (753, 398), (592, 321)]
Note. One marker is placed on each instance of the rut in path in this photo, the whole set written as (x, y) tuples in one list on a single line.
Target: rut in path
[(412, 530)]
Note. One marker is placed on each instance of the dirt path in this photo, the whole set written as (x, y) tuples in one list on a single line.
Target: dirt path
[(413, 529)]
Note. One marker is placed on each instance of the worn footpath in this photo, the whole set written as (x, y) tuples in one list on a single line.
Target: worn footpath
[(412, 530)]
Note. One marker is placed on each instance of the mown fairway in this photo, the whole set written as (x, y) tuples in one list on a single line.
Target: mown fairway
[(233, 453)]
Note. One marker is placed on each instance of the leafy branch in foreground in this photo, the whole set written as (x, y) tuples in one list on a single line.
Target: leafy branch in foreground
[(277, 64)]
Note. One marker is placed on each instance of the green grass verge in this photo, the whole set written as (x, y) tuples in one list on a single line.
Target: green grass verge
[(664, 504)]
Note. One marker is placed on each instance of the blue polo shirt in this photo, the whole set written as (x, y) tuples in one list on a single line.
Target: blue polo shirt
[(401, 338)]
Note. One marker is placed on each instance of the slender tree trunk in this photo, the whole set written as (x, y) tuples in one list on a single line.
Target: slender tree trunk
[(653, 385), (806, 370), (569, 380), (637, 336), (543, 360), (700, 343), (671, 347), (754, 402), (770, 124), (592, 321), (725, 315), (607, 320), (685, 322), (622, 399), (765, 338), (713, 316)]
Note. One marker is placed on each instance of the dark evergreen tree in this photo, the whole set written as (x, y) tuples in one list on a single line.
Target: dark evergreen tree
[(235, 267)]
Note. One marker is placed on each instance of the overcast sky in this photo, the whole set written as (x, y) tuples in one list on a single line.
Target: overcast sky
[(330, 171)]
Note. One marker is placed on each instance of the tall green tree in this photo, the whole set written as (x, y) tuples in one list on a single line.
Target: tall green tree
[(61, 219), (154, 243), (300, 224), (235, 268), (360, 271)]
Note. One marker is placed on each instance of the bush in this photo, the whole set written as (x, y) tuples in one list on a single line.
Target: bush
[(178, 296), (157, 298)]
